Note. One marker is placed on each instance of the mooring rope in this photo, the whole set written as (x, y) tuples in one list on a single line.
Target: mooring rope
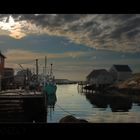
[(65, 110)]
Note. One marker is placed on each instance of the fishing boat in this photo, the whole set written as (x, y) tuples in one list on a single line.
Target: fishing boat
[(50, 88)]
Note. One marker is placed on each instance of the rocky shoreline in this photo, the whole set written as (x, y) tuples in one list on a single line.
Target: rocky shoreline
[(129, 86)]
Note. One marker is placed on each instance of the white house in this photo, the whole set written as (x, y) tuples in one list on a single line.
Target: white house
[(100, 77), (120, 72)]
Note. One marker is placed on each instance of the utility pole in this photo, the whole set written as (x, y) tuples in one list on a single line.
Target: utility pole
[(37, 69)]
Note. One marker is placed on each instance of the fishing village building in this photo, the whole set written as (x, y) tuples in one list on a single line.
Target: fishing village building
[(22, 77), (8, 78), (100, 77), (2, 62), (6, 74), (120, 72)]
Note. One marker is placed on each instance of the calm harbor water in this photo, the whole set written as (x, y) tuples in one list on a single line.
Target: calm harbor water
[(93, 107)]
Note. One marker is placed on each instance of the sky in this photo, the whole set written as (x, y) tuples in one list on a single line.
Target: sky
[(76, 44)]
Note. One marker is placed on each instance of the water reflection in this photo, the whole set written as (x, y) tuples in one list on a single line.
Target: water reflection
[(51, 101), (120, 104), (94, 107), (98, 100), (116, 103)]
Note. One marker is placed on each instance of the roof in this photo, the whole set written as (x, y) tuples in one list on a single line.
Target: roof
[(8, 69), (2, 55), (95, 73), (122, 68)]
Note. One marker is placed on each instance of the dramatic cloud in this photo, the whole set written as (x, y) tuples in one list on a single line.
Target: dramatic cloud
[(119, 32)]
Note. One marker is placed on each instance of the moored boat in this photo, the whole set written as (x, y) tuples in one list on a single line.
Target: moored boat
[(50, 88)]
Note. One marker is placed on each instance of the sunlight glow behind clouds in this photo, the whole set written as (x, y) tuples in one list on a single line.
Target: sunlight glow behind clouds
[(14, 28), (76, 43)]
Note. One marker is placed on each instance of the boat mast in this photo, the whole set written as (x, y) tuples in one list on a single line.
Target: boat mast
[(37, 70), (45, 70), (51, 74)]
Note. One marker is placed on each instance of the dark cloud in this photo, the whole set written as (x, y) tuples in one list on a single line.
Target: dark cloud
[(127, 26), (106, 31), (49, 19), (133, 33), (117, 16)]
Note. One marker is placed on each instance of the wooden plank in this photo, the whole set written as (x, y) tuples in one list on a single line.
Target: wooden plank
[(20, 96), (22, 108)]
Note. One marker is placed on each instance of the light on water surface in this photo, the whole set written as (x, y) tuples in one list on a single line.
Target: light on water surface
[(69, 101)]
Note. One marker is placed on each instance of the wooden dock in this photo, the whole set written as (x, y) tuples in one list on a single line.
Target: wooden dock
[(86, 87), (20, 97), (22, 106)]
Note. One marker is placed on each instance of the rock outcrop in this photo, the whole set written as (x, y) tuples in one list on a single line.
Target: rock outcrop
[(72, 119)]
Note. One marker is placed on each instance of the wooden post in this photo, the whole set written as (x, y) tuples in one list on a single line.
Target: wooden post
[(0, 81)]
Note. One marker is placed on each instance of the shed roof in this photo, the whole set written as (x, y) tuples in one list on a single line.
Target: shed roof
[(122, 68), (1, 55), (95, 73)]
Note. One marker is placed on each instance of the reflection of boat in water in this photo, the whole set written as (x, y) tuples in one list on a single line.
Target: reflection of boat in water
[(51, 100), (49, 90)]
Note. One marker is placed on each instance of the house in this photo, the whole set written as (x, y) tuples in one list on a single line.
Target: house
[(100, 77), (120, 72), (25, 72), (2, 62), (9, 73), (19, 80), (22, 77)]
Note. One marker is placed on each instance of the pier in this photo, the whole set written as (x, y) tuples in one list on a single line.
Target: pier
[(84, 86), (22, 107)]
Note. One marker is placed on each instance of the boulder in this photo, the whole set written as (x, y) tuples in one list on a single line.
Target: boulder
[(72, 119)]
